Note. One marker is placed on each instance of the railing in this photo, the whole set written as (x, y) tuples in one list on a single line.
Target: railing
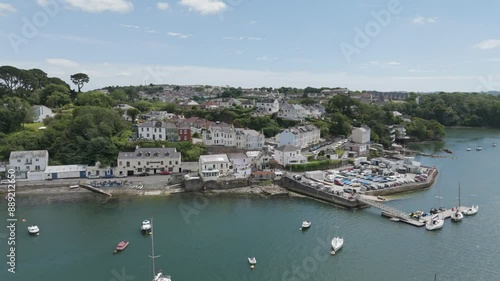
[(388, 209)]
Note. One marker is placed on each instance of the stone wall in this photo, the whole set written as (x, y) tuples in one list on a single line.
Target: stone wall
[(406, 187)]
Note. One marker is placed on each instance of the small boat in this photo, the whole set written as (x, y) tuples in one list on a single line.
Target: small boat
[(478, 148), (494, 145), (33, 230), (435, 223), (471, 211), (305, 225), (469, 149), (121, 246), (337, 243), (394, 219), (448, 151), (457, 216), (252, 261), (380, 198), (146, 226)]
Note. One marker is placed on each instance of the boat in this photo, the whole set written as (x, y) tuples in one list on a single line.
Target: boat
[(337, 244), (478, 148), (494, 145), (457, 216), (158, 276), (305, 225), (33, 230), (252, 261), (121, 246), (146, 226), (435, 223), (380, 198), (448, 151), (394, 219), (469, 149), (471, 211)]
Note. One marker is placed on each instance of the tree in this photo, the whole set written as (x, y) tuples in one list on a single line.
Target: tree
[(133, 113), (93, 99), (119, 95), (58, 99), (79, 79)]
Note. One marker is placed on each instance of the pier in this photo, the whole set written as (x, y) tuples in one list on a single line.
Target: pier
[(391, 212), (93, 189)]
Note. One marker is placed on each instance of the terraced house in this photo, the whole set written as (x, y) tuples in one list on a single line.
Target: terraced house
[(300, 136), (149, 161)]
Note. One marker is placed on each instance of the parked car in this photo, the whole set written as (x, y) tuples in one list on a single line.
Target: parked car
[(165, 172), (121, 176), (348, 190), (143, 174)]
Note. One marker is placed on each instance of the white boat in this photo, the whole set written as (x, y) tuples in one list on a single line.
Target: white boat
[(146, 226), (337, 243), (469, 149), (435, 223), (478, 148), (494, 145), (305, 225), (457, 216), (34, 230), (252, 261), (394, 219), (157, 276), (471, 211)]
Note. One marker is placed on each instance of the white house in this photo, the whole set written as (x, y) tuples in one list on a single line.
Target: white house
[(249, 139), (242, 165), (65, 172), (361, 135), (152, 130), (211, 167), (247, 104), (260, 159), (268, 106), (148, 160), (292, 112), (220, 134), (300, 136), (29, 161), (40, 112), (289, 155), (158, 115)]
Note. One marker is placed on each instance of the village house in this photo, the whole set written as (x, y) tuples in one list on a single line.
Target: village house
[(242, 165), (152, 130), (228, 102), (249, 139), (32, 160), (289, 155), (210, 104), (247, 104), (261, 160), (196, 124), (148, 161), (158, 116), (184, 132), (293, 112), (301, 136), (41, 112), (211, 167), (361, 135), (268, 106), (220, 134)]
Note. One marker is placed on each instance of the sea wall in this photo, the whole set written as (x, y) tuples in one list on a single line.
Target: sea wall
[(299, 187), (406, 187)]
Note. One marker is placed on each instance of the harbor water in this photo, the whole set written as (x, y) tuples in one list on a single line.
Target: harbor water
[(210, 238)]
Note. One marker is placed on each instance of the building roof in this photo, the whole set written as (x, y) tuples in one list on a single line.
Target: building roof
[(240, 155), (215, 158), (252, 154), (287, 148), (150, 153), (29, 153)]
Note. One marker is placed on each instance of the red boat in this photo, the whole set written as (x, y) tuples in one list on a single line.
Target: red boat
[(121, 246)]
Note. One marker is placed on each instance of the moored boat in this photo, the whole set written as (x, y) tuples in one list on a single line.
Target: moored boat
[(337, 244), (469, 149), (435, 223), (494, 144), (252, 261), (471, 211), (478, 148), (121, 246), (146, 226), (33, 230), (457, 216), (305, 225)]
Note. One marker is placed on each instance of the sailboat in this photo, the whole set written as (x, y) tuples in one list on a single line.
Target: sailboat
[(457, 216), (157, 276)]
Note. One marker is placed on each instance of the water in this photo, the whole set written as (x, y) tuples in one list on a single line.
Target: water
[(210, 238)]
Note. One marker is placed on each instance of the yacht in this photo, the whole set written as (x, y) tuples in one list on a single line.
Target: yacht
[(457, 216), (305, 225), (158, 276), (146, 226), (337, 243), (33, 230), (435, 223), (478, 148), (471, 211)]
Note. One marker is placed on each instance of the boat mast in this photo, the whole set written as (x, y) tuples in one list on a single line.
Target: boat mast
[(153, 257), (459, 194)]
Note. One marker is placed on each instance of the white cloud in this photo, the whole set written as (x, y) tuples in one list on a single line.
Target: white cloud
[(234, 38), (205, 7), (97, 6), (422, 20), (252, 22), (73, 38), (488, 44), (6, 8), (130, 26), (254, 38), (393, 63), (267, 58), (385, 64), (178, 35), (162, 5), (63, 63)]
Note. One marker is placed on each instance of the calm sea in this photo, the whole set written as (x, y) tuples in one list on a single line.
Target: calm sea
[(202, 238)]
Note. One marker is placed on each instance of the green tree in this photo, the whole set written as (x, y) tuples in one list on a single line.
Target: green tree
[(93, 99), (58, 99), (79, 79), (119, 96), (133, 113)]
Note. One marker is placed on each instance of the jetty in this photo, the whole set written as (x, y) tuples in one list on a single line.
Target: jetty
[(390, 212), (93, 189)]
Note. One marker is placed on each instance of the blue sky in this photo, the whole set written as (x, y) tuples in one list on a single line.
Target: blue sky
[(413, 45)]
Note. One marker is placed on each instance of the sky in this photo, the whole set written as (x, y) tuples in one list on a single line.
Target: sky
[(385, 45)]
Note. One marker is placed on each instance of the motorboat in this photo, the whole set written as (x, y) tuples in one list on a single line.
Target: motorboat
[(471, 211), (435, 223), (33, 230), (337, 243), (146, 226), (494, 145), (121, 246), (305, 225), (478, 148), (457, 216), (160, 277), (394, 219), (252, 261), (469, 149)]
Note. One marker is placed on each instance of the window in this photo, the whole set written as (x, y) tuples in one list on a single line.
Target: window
[(18, 160), (139, 163), (128, 164), (28, 168), (36, 160), (162, 163), (37, 168), (139, 170), (176, 162), (170, 163), (120, 163)]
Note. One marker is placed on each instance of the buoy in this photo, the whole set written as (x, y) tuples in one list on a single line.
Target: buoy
[(300, 228), (252, 266), (24, 220), (333, 253)]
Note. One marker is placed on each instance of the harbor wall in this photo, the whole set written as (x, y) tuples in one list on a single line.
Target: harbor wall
[(303, 189), (407, 187)]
